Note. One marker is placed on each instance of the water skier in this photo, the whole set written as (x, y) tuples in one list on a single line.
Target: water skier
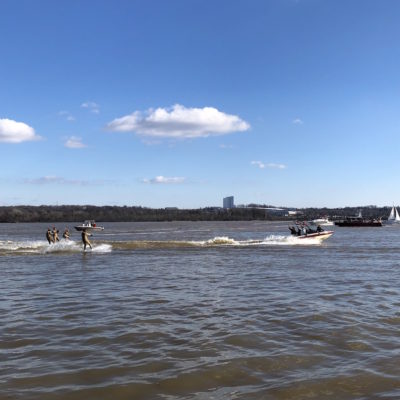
[(55, 235), (66, 234), (49, 236), (85, 239)]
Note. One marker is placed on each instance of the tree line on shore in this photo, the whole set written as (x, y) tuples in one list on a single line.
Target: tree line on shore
[(77, 213)]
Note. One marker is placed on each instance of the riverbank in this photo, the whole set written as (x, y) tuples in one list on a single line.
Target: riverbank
[(73, 213)]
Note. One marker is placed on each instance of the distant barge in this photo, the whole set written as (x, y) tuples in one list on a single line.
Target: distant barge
[(359, 221)]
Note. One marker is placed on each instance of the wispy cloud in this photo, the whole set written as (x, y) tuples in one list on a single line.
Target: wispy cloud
[(67, 115), (57, 180), (226, 146), (74, 142), (262, 165), (16, 132), (179, 122), (298, 121), (91, 106), (164, 180)]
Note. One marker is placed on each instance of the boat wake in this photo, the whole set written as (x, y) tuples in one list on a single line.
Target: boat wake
[(274, 240), (218, 241), (42, 247)]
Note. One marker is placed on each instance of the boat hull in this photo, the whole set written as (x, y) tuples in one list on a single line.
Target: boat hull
[(319, 235), (358, 224)]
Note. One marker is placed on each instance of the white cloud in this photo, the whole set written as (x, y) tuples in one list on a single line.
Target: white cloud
[(91, 106), (164, 179), (74, 142), (52, 179), (262, 165), (16, 132), (67, 115), (298, 121), (179, 122)]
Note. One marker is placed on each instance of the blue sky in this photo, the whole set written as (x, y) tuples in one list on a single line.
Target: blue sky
[(181, 103)]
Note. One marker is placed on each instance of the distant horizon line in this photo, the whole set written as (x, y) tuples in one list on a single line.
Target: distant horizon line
[(256, 205)]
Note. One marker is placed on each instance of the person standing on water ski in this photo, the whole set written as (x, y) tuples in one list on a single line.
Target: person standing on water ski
[(49, 236), (66, 234), (55, 235), (85, 239)]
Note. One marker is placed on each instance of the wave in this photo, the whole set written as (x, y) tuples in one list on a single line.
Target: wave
[(70, 246), (275, 240), (43, 247), (218, 241)]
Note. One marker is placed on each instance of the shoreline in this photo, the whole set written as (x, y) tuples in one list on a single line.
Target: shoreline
[(78, 213)]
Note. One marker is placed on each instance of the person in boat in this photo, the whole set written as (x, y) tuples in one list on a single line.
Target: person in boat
[(55, 235), (293, 230), (319, 229), (85, 239), (66, 234), (49, 236)]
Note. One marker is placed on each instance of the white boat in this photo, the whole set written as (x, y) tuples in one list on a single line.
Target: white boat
[(323, 221), (89, 225), (318, 235), (394, 217)]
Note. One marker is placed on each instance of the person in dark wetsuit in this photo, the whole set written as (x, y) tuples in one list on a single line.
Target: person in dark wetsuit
[(49, 236), (85, 239)]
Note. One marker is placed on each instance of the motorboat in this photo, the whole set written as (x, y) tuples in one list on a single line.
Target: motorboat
[(323, 221), (309, 230), (89, 225), (394, 217)]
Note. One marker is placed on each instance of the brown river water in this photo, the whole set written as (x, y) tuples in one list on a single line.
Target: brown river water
[(199, 310)]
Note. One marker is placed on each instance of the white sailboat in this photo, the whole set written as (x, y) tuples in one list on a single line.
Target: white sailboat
[(394, 217)]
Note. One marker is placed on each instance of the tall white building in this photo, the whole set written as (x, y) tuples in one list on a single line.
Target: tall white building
[(228, 202)]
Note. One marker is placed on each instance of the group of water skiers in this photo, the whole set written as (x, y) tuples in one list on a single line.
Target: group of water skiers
[(52, 236)]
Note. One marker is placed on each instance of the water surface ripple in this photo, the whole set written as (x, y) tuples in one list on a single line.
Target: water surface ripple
[(210, 310)]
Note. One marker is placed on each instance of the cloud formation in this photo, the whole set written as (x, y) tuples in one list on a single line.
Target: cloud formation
[(67, 115), (164, 180), (298, 121), (179, 122), (16, 132), (261, 165), (52, 179), (74, 142), (91, 106)]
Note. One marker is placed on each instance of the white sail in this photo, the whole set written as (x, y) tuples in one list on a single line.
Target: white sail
[(392, 215), (397, 218)]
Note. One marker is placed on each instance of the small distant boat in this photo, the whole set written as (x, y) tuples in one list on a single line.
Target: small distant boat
[(394, 217), (359, 221), (323, 221), (89, 225), (309, 230)]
